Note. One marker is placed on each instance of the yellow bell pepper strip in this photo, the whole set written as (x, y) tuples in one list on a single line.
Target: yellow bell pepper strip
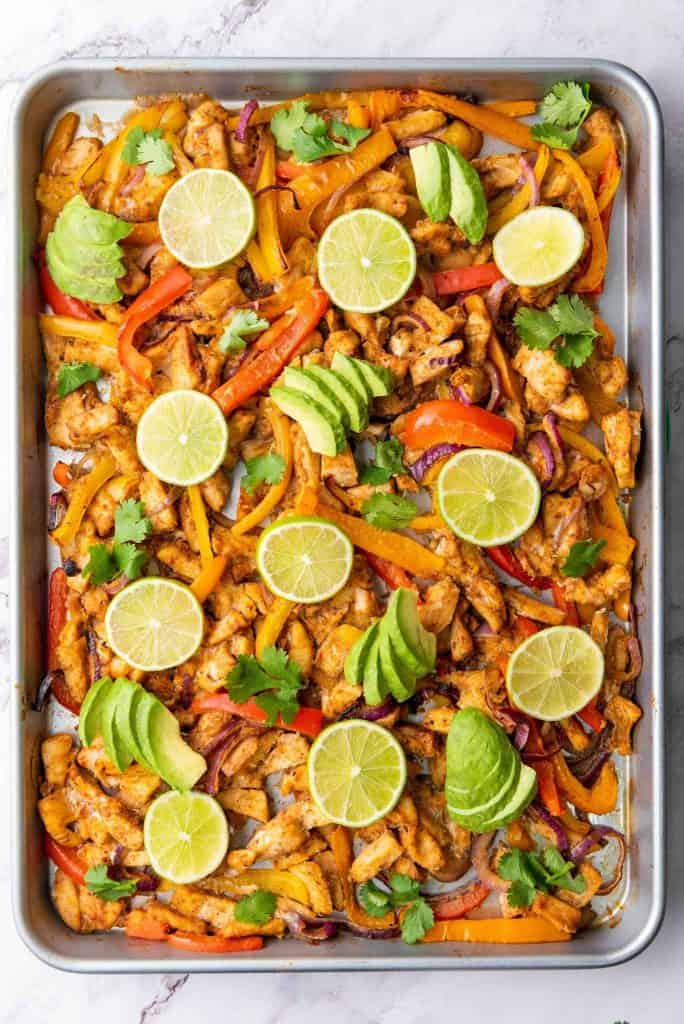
[(258, 374), (282, 883), (340, 843), (383, 104), (272, 624), (158, 296), (306, 502), (357, 115), (339, 171), (598, 401), (209, 578), (283, 444), (496, 930), (394, 547), (174, 117), (583, 445), (604, 330), (594, 273), (610, 513), (609, 181), (256, 260), (619, 546), (115, 167), (201, 523), (513, 108), (594, 158), (521, 200), (601, 798), (267, 213), (486, 120), (82, 493), (61, 139), (100, 332)]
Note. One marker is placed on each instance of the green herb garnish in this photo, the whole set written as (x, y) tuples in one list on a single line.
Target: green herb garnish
[(563, 111), (377, 902), (529, 873), (568, 319), (257, 908), (73, 375), (106, 888), (148, 148), (310, 137), (272, 679), (263, 469), (244, 323), (388, 511), (387, 463)]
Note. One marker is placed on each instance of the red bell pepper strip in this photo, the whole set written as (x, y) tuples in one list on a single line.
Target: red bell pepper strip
[(393, 575), (307, 720), (546, 780), (502, 556), (465, 279), (447, 420), (592, 717), (66, 859), (193, 943), (61, 304), (569, 607), (258, 374), (148, 304), (57, 613), (460, 903), (525, 627)]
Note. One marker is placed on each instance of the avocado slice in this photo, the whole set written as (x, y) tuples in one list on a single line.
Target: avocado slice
[(375, 688), (482, 766), (468, 202), (354, 400), (93, 289), (141, 707), (98, 260), (324, 433), (90, 718), (431, 169), (355, 662), (302, 380), (346, 368), (178, 764), (377, 378), (94, 227), (115, 746), (405, 632), (523, 796), (124, 723), (401, 682)]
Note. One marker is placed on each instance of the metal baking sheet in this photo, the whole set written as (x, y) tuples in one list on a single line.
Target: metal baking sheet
[(632, 304)]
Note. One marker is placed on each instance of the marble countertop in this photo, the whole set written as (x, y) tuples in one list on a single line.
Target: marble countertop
[(650, 38)]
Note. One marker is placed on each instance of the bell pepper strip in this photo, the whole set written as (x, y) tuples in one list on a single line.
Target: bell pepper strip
[(201, 524), (423, 524), (465, 279), (115, 167), (288, 170), (57, 614), (525, 627), (577, 736), (60, 140), (504, 558), (619, 546), (387, 544), (510, 379), (461, 903), (609, 180), (513, 108), (447, 420), (266, 340), (256, 260), (592, 717), (383, 104), (583, 445), (82, 493), (358, 115), (568, 607), (393, 575), (593, 274), (496, 930), (272, 624), (267, 213), (190, 942), (485, 119), (275, 305), (340, 842), (329, 100), (259, 373), (546, 782), (604, 330), (99, 332), (308, 721), (522, 198), (610, 513), (61, 474), (327, 177), (140, 925), (67, 860), (282, 883), (283, 445), (622, 605), (174, 116), (601, 798), (61, 304), (598, 401), (208, 579), (594, 158), (148, 304)]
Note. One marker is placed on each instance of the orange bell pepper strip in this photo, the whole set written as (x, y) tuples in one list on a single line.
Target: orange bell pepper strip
[(99, 332), (140, 925), (447, 420), (307, 720), (61, 304), (61, 474), (484, 118), (209, 578), (288, 170), (67, 859), (201, 523), (387, 544), (147, 305), (383, 104), (82, 493), (594, 158), (273, 623), (513, 108), (502, 556), (510, 379), (256, 260), (609, 181), (259, 373), (521, 200), (591, 716), (525, 627), (357, 115), (393, 575), (283, 444), (327, 177), (598, 401), (267, 213), (340, 843), (548, 791), (622, 605), (601, 798), (191, 942), (57, 614), (496, 930), (595, 271), (423, 524), (330, 100), (464, 279), (60, 140)]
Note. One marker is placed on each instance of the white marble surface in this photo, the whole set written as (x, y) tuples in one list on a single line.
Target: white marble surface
[(649, 36)]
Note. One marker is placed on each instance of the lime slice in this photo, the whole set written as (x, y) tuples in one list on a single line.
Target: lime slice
[(357, 772), (554, 673), (366, 261), (538, 246), (304, 559), (154, 624), (207, 218), (487, 497), (182, 437), (186, 836)]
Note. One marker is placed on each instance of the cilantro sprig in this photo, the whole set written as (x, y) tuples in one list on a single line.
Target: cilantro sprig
[(131, 526), (387, 462), (530, 873), (263, 469), (271, 679), (388, 511), (569, 320), (257, 908), (148, 148), (404, 892), (74, 375), (563, 112), (106, 888), (243, 324), (310, 137), (582, 557)]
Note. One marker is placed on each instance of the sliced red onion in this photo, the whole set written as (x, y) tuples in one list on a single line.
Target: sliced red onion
[(495, 391), (597, 834), (185, 699), (218, 752), (44, 690), (331, 205), (115, 585), (219, 740), (494, 296), (537, 810), (530, 178), (243, 119), (458, 393), (484, 629), (359, 709), (550, 423), (302, 930), (440, 904), (452, 360), (70, 567), (480, 855), (135, 179), (370, 933), (565, 523), (147, 254), (279, 188), (502, 714), (413, 141), (117, 855), (251, 173), (432, 455), (57, 506), (521, 735), (540, 441), (146, 880), (413, 320), (93, 654)]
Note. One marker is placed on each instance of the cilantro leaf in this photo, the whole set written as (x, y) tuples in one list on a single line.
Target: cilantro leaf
[(99, 884), (101, 566), (287, 121), (566, 105), (559, 871), (271, 679), (244, 323), (573, 316), (416, 921), (582, 557), (130, 522), (129, 153), (263, 469), (388, 462), (73, 375), (257, 908), (129, 558), (374, 900), (404, 888), (148, 148), (388, 511), (574, 350), (569, 319), (530, 873), (520, 894), (556, 138), (535, 327), (310, 137)]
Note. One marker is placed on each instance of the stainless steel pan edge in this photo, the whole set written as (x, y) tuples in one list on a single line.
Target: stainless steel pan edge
[(40, 98)]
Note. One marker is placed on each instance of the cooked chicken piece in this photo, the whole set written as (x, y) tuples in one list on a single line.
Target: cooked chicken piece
[(416, 741), (565, 523), (165, 915), (340, 697), (87, 797), (334, 648), (216, 490), (219, 913), (557, 912), (105, 503), (347, 342), (547, 380), (611, 374), (82, 911), (438, 605), (57, 753), (221, 295), (252, 803), (177, 555), (603, 122), (283, 834), (477, 332), (498, 171), (435, 239), (622, 438), (310, 848), (439, 719), (460, 640), (477, 688), (135, 787), (467, 565), (624, 715), (472, 381), (415, 838), (599, 588), (436, 362), (79, 419), (121, 444), (128, 396), (78, 351), (72, 658), (140, 197), (57, 815), (340, 468), (593, 881), (573, 408), (314, 879), (534, 552), (443, 324), (416, 122), (157, 503), (393, 203), (205, 136), (594, 481), (375, 857), (290, 750), (80, 154)]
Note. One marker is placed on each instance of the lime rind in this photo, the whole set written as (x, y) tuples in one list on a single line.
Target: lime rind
[(554, 673), (304, 559), (538, 246)]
